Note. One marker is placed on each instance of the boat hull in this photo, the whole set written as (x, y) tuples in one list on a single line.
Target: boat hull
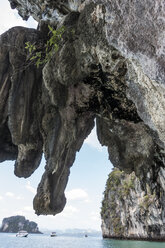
[(22, 234)]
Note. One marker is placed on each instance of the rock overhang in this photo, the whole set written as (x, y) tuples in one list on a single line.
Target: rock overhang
[(102, 71)]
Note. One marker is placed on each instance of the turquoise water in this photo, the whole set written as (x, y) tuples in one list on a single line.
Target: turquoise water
[(45, 241)]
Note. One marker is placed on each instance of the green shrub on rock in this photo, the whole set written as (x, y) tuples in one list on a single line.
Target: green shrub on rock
[(42, 53)]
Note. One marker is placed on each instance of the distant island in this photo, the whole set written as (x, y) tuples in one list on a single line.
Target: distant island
[(14, 224)]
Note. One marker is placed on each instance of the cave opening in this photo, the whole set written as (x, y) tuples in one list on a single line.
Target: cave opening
[(87, 181), (84, 191)]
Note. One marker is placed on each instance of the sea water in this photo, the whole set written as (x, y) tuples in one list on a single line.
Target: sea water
[(45, 241)]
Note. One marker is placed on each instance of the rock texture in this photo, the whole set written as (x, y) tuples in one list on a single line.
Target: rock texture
[(109, 66), (19, 102), (17, 223), (130, 211), (45, 10)]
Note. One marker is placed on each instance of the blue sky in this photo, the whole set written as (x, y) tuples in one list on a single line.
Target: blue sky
[(87, 179)]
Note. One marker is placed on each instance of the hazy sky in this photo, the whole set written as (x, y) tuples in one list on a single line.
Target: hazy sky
[(87, 180)]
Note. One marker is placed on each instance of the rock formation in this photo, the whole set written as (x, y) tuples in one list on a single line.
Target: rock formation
[(14, 224), (109, 66), (130, 211)]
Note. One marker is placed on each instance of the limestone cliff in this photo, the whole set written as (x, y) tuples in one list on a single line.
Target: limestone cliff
[(109, 66), (130, 211), (14, 224)]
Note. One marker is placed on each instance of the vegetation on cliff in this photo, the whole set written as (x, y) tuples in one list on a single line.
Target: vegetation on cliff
[(130, 211), (42, 52)]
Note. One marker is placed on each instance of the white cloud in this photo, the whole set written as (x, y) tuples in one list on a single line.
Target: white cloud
[(76, 194), (20, 197), (10, 194), (92, 140), (28, 209), (18, 212), (69, 211), (30, 188), (29, 214), (3, 210), (1, 198), (9, 18), (95, 216)]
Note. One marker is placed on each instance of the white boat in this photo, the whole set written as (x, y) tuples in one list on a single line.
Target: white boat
[(53, 234), (22, 233)]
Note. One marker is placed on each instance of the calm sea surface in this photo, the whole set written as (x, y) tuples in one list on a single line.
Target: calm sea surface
[(45, 241)]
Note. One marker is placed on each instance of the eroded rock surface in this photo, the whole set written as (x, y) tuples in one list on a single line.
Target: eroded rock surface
[(109, 66), (45, 10), (130, 211), (19, 102)]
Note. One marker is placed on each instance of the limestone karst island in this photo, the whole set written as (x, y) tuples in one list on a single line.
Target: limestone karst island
[(89, 61), (17, 223)]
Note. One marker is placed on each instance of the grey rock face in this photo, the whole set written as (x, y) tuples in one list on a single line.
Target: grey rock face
[(20, 87), (137, 30), (130, 211), (109, 66), (45, 10), (130, 145), (14, 224)]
